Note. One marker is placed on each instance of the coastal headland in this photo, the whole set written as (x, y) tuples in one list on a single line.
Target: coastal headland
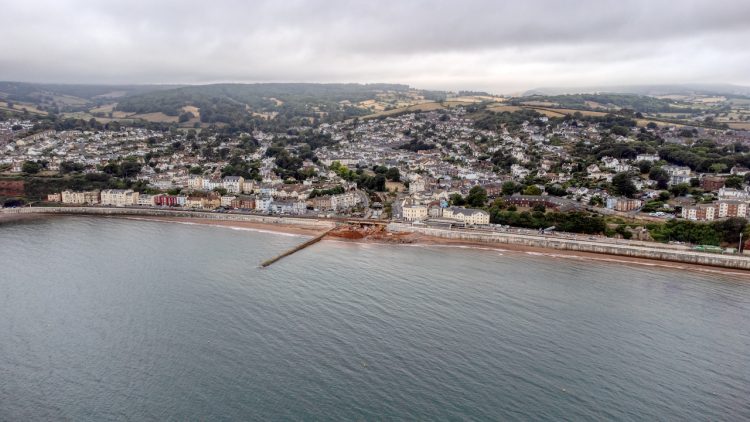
[(584, 247)]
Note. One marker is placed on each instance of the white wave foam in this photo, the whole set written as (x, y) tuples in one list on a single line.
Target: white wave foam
[(191, 223)]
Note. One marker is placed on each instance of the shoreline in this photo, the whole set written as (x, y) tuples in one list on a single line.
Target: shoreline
[(419, 240), (438, 242), (280, 228), (291, 226)]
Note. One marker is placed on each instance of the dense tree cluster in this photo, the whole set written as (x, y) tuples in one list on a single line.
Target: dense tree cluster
[(512, 120), (323, 192), (716, 233), (239, 167), (125, 169), (572, 222), (364, 181)]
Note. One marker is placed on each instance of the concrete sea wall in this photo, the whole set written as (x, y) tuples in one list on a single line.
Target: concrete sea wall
[(105, 211), (639, 250)]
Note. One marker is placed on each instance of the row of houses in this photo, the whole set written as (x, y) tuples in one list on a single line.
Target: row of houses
[(262, 202), (113, 197), (340, 202), (232, 184), (468, 216), (129, 197)]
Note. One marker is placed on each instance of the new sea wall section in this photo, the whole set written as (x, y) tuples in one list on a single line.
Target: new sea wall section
[(637, 250)]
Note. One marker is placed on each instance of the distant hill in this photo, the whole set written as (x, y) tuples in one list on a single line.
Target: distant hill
[(649, 90), (290, 103), (283, 104), (64, 97), (606, 101)]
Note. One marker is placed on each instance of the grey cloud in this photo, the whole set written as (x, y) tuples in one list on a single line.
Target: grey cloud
[(474, 44)]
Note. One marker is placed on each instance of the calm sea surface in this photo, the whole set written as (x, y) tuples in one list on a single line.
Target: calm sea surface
[(111, 319)]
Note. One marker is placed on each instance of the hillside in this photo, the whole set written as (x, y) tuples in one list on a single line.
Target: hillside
[(650, 90), (285, 103), (638, 103), (70, 98)]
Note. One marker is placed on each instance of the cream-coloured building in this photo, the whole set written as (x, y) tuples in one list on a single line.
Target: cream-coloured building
[(147, 200), (203, 202), (226, 201), (700, 212), (345, 201), (119, 197), (80, 198), (732, 209), (417, 185), (233, 184), (415, 213), (467, 215), (195, 182)]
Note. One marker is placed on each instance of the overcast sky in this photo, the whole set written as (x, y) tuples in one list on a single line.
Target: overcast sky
[(499, 46)]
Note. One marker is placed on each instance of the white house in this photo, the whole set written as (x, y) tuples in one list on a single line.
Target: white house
[(467, 215), (414, 212)]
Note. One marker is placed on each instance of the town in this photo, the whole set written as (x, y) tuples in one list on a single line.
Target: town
[(463, 165)]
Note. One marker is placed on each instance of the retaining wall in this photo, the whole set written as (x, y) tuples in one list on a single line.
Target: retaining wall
[(653, 251), (106, 211)]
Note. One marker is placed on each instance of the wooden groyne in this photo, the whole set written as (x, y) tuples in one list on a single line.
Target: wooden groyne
[(297, 248)]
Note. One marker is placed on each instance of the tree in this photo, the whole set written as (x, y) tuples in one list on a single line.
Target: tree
[(660, 176), (718, 167), (457, 199), (477, 197), (184, 117), (620, 130), (129, 168), (734, 181), (393, 174), (623, 185), (31, 167), (644, 166), (729, 230), (509, 188), (532, 190), (555, 190), (680, 189), (623, 231), (71, 167)]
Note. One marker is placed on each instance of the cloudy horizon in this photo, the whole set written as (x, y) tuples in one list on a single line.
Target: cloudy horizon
[(469, 45)]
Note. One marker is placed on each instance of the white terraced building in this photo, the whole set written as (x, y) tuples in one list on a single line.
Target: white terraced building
[(119, 197), (467, 215)]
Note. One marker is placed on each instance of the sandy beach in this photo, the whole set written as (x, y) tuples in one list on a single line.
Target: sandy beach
[(277, 228)]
